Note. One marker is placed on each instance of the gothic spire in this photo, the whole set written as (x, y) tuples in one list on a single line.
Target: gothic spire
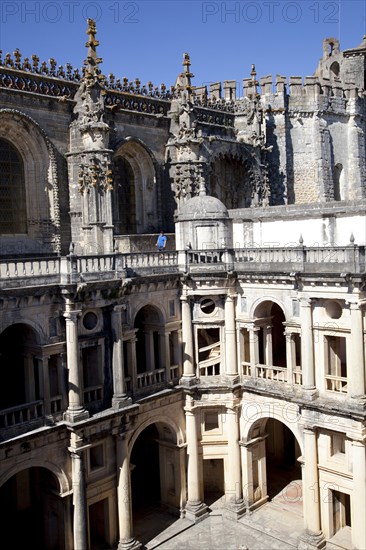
[(92, 61), (183, 81)]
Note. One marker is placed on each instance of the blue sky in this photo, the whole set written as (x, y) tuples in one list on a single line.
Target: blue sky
[(147, 39)]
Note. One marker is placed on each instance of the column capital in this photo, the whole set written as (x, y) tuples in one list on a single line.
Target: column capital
[(253, 328), (307, 428), (232, 408), (72, 315), (185, 297), (359, 442), (354, 306), (119, 307), (305, 301)]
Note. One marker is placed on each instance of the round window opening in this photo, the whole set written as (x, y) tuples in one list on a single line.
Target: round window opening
[(207, 306), (90, 320), (334, 310)]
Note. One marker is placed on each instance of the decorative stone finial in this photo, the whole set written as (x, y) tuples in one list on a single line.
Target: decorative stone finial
[(92, 61), (184, 79)]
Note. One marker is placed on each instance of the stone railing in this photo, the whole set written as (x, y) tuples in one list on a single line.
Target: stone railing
[(336, 384), (53, 270), (338, 259), (54, 86), (21, 414), (93, 394), (150, 378), (277, 374)]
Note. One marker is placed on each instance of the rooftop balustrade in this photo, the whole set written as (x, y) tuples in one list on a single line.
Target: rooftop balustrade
[(22, 272)]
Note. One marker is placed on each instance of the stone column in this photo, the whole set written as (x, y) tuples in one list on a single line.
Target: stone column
[(79, 499), (247, 469), (43, 366), (124, 499), (189, 371), (235, 506), (61, 369), (75, 410), (267, 337), (253, 459), (313, 536), (359, 494), (120, 398), (307, 345), (254, 349), (290, 355), (30, 388), (230, 337), (150, 351), (131, 354), (356, 368), (165, 353), (195, 509)]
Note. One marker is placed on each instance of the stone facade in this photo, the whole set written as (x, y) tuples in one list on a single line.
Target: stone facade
[(229, 363)]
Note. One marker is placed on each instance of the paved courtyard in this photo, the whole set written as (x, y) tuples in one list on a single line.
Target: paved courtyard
[(276, 525)]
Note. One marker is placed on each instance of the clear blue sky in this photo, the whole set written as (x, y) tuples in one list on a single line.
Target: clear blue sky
[(147, 39)]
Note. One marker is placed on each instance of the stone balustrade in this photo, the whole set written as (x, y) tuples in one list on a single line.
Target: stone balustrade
[(74, 269)]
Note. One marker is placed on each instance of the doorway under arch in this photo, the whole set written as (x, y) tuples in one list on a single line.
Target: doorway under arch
[(34, 511), (276, 471), (148, 351), (283, 469), (22, 382), (156, 484)]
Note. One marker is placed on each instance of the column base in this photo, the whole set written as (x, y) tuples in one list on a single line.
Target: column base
[(234, 510), (257, 504), (196, 511), (311, 541), (231, 379), (121, 402), (129, 544), (76, 415), (310, 392), (188, 380)]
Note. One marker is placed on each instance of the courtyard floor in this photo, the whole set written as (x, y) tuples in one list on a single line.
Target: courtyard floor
[(275, 525)]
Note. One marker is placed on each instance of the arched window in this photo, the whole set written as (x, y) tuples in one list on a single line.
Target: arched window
[(334, 69), (338, 178), (126, 198), (13, 218)]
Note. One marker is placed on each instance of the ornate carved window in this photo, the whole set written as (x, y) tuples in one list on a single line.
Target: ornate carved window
[(13, 218)]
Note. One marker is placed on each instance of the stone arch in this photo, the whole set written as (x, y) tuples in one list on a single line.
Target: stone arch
[(143, 304), (269, 318), (273, 447), (22, 384), (36, 502), (38, 329), (137, 192), (233, 179), (13, 218), (334, 70), (41, 184), (254, 416), (265, 303), (157, 483), (35, 462), (149, 323), (160, 420)]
